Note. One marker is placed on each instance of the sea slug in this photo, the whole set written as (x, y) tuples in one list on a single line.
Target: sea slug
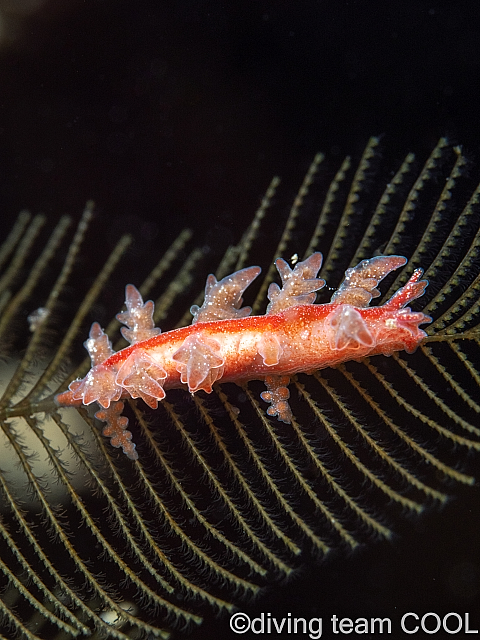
[(225, 344)]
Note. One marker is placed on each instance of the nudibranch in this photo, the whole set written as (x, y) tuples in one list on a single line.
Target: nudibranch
[(225, 343)]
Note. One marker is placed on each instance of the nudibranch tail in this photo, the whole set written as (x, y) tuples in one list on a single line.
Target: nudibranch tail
[(225, 343), (99, 383)]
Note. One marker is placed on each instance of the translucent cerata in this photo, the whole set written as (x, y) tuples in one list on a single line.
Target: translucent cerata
[(225, 343)]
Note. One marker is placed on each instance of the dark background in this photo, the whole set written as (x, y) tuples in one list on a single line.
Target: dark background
[(170, 114), (181, 112)]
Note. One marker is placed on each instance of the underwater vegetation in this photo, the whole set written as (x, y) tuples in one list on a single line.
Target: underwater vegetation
[(224, 499)]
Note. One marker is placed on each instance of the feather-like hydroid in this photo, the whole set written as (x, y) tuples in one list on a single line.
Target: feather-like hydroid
[(222, 500)]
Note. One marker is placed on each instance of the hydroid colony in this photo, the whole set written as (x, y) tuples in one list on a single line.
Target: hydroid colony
[(222, 498)]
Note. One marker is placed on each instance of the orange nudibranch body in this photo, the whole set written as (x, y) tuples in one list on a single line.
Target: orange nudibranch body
[(226, 344), (303, 338)]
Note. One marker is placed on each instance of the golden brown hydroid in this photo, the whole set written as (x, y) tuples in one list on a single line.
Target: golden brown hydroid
[(222, 499)]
